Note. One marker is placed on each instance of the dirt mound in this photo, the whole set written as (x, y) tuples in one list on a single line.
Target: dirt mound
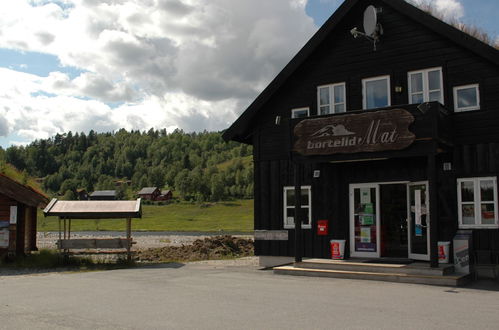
[(218, 247)]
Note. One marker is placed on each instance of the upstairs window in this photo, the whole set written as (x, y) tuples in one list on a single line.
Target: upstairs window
[(289, 207), (331, 99), (376, 92), (477, 202), (426, 86), (466, 98), (300, 113)]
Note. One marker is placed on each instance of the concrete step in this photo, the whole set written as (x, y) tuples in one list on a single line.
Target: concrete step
[(359, 265), (444, 280)]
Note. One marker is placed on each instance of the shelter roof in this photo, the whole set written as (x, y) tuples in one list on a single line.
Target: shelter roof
[(104, 193), (21, 193), (94, 209)]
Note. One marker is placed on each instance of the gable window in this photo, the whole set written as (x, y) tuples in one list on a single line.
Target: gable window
[(289, 207), (300, 113), (425, 86), (331, 99), (376, 92), (477, 202), (466, 98)]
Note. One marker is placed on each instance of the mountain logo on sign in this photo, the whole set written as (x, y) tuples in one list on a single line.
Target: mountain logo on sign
[(332, 130)]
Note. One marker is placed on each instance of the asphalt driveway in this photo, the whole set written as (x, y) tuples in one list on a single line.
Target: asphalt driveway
[(226, 296)]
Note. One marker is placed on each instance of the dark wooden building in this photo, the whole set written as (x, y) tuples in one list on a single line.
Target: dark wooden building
[(166, 195), (18, 217), (387, 124), (149, 193)]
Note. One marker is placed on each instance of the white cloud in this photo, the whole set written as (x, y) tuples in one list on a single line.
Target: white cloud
[(449, 9), (193, 64)]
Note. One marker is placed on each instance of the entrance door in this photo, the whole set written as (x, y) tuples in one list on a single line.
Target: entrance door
[(364, 220), (418, 221), (393, 214)]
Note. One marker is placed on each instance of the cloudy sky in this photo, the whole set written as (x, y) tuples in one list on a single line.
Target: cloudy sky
[(193, 64)]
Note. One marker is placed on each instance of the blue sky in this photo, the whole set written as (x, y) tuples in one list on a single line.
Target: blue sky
[(191, 64)]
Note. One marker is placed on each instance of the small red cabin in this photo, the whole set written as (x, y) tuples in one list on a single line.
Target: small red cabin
[(18, 212)]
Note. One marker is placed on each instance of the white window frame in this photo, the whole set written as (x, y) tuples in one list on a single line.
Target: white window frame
[(476, 107), (477, 202), (287, 223), (294, 111), (332, 105), (388, 86), (426, 83)]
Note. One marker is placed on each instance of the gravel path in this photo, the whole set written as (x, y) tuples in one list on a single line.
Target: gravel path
[(145, 240)]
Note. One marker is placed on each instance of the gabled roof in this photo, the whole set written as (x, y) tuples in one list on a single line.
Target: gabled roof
[(94, 209), (240, 129), (103, 193), (21, 193), (147, 191)]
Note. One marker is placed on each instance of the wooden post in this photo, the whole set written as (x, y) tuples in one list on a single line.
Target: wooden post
[(129, 239), (60, 236), (298, 213), (433, 194)]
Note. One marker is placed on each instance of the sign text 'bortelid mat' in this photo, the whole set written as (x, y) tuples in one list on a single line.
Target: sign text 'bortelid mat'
[(352, 133)]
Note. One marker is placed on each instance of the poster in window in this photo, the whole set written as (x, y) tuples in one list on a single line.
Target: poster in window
[(366, 220), (4, 238), (368, 208), (13, 215), (365, 195), (365, 234)]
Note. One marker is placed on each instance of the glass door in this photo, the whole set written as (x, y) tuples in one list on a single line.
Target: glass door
[(418, 220), (364, 220)]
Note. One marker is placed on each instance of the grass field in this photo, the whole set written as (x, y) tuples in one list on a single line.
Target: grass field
[(223, 216)]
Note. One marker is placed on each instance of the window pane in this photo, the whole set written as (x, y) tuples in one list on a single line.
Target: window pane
[(434, 80), (435, 96), (377, 93), (339, 92), (467, 97), (416, 82), (324, 95), (290, 197), (300, 113), (339, 108), (324, 110), (467, 191), (488, 214), (468, 211), (306, 215), (417, 98), (487, 191), (290, 218), (304, 196)]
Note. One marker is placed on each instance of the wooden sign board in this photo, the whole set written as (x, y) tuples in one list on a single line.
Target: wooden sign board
[(271, 235), (346, 134)]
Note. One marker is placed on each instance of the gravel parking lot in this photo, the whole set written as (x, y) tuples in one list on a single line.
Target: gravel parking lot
[(235, 294)]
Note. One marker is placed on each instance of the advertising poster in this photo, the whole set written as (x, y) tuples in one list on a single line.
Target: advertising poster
[(13, 215), (4, 238), (369, 208), (365, 195), (366, 220), (365, 235)]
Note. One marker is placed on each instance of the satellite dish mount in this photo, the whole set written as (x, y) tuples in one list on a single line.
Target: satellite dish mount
[(372, 28)]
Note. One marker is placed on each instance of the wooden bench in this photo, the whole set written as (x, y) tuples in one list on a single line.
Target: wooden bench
[(107, 243)]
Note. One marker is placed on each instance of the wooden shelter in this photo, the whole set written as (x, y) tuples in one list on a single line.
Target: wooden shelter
[(91, 210), (18, 213)]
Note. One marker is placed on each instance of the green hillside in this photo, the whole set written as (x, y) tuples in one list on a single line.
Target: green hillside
[(234, 216)]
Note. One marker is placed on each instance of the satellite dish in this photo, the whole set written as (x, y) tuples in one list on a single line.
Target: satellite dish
[(370, 21)]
